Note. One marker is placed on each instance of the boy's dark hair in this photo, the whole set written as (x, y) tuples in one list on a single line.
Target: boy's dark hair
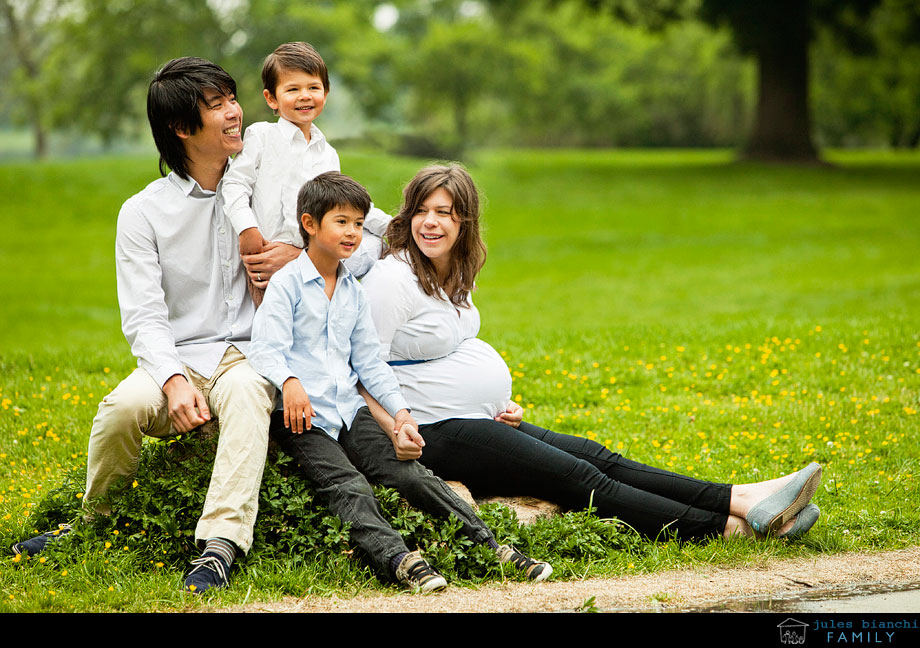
[(293, 56), (324, 193), (173, 103)]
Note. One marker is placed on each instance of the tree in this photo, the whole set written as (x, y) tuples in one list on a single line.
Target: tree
[(871, 99), (778, 33), (108, 53), (29, 33)]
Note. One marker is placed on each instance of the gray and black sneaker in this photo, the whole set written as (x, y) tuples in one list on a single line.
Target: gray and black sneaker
[(415, 572), (535, 570), (35, 545), (210, 571)]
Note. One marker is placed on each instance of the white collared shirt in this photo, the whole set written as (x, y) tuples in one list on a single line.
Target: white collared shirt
[(460, 376), (260, 188), (181, 284), (327, 344)]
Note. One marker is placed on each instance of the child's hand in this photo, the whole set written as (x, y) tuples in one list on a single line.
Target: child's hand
[(513, 415), (297, 408), (251, 241), (407, 441)]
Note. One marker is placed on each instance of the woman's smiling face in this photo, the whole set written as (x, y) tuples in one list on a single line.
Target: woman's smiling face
[(435, 228)]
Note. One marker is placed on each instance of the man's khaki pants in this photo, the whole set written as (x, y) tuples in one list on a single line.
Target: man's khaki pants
[(241, 400)]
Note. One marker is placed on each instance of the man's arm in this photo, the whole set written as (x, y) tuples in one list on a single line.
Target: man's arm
[(145, 318), (275, 255)]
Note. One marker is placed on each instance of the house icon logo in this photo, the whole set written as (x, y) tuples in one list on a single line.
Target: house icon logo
[(792, 632)]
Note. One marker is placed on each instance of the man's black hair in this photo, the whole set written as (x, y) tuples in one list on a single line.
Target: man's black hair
[(173, 103)]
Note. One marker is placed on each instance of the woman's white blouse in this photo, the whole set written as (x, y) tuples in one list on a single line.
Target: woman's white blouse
[(463, 377)]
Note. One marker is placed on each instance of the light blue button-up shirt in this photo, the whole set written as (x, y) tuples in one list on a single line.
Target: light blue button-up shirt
[(329, 345)]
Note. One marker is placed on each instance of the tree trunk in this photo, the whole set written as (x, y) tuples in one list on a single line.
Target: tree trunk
[(24, 48), (782, 125), (41, 140)]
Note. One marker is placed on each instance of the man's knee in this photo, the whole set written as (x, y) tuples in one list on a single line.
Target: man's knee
[(240, 387), (136, 406)]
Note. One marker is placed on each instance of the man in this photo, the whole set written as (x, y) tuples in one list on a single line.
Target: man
[(187, 315)]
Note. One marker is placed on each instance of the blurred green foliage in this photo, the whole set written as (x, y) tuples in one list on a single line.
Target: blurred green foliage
[(440, 77)]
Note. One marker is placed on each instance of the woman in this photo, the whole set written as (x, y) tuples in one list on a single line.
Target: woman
[(459, 390)]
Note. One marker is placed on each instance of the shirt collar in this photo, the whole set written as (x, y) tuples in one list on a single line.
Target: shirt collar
[(190, 187), (291, 131), (308, 271)]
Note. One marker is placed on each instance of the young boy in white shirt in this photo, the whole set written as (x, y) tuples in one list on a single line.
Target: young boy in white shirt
[(260, 187), (314, 339)]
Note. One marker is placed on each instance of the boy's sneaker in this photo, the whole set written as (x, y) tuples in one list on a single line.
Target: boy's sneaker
[(415, 572), (535, 570), (210, 571), (35, 545)]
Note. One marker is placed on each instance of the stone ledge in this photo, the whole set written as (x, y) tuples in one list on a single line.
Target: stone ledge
[(528, 509)]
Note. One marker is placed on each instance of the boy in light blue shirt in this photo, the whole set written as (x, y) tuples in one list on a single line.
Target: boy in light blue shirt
[(314, 339)]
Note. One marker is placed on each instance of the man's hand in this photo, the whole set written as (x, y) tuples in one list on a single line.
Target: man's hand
[(407, 442), (251, 241), (186, 405), (297, 408), (273, 257), (513, 415)]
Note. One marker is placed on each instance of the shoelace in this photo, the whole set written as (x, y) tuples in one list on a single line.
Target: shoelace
[(62, 530), (521, 561), (420, 570), (213, 563)]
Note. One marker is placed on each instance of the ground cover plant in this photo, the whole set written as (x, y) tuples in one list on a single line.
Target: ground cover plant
[(732, 322)]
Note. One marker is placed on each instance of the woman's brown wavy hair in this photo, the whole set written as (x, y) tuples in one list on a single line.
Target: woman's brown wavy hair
[(469, 252)]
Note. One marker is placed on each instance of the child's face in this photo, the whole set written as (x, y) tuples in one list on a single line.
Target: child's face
[(299, 98), (435, 227), (339, 233)]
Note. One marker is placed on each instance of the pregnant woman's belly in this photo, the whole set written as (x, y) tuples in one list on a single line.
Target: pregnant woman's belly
[(471, 382)]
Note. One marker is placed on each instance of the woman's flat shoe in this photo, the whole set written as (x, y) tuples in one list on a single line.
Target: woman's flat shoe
[(803, 522), (773, 512)]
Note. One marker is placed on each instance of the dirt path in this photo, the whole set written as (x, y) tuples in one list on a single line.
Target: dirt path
[(684, 588)]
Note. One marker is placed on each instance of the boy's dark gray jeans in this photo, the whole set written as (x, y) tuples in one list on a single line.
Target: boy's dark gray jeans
[(341, 471)]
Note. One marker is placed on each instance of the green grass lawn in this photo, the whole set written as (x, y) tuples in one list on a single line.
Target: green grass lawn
[(729, 321)]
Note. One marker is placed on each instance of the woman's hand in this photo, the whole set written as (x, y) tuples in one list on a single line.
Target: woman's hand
[(407, 442), (273, 257), (297, 409), (513, 415)]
